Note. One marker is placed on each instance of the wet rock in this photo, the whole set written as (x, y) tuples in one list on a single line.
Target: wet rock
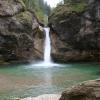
[(89, 90), (75, 33), (44, 97), (19, 33)]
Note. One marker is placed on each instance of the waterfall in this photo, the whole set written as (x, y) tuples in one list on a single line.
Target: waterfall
[(47, 46), (47, 62)]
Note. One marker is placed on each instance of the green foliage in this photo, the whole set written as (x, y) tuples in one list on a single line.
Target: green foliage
[(76, 5), (24, 16), (39, 6), (79, 7)]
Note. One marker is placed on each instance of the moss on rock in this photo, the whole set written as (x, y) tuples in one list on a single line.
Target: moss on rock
[(78, 7), (24, 16), (11, 7), (61, 9), (22, 3), (18, 26), (38, 33)]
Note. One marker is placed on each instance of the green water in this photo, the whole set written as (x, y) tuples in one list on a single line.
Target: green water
[(24, 81)]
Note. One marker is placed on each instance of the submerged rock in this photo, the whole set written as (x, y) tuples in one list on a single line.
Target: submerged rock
[(21, 39), (89, 90), (44, 97), (75, 32)]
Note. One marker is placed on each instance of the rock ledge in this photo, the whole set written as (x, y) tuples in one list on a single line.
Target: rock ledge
[(89, 90)]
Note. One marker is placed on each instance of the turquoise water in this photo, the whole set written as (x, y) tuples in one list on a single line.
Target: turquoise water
[(27, 80)]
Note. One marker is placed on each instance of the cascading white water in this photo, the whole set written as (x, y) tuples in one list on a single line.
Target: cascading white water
[(47, 46), (47, 62)]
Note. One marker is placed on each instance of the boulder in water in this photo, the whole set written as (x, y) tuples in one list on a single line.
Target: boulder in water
[(89, 90)]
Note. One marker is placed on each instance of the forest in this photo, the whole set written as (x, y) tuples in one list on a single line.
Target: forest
[(41, 8)]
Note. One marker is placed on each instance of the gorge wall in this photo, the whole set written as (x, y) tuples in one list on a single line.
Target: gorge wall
[(75, 32), (21, 40)]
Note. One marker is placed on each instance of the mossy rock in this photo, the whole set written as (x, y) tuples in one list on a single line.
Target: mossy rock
[(11, 7), (22, 3), (61, 9), (17, 1), (24, 17), (38, 33), (78, 7)]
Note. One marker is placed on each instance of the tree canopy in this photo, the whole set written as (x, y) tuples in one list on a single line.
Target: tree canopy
[(41, 8)]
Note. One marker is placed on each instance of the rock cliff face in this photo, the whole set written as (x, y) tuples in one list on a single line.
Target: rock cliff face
[(20, 37), (89, 90), (75, 32)]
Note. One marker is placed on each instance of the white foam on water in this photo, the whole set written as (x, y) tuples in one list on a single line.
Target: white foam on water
[(44, 65), (45, 97)]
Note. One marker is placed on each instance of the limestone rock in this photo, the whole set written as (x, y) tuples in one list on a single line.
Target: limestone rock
[(89, 90), (11, 7), (19, 33), (75, 33)]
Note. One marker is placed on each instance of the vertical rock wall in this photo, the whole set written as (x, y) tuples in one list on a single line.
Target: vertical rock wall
[(19, 33), (75, 32)]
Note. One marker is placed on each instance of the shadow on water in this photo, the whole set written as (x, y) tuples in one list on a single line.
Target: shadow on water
[(96, 73), (10, 66)]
